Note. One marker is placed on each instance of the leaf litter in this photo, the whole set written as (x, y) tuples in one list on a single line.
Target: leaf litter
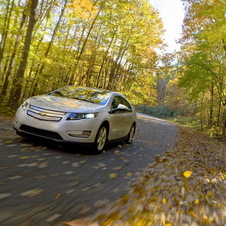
[(184, 186)]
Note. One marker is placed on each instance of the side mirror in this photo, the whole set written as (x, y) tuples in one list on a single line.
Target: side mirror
[(120, 107)]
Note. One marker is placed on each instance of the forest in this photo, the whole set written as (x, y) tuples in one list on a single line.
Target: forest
[(117, 45), (105, 44)]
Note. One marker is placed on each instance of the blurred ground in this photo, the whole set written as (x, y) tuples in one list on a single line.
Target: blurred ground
[(43, 184), (184, 186)]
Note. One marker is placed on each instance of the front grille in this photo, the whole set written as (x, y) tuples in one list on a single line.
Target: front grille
[(45, 114), (41, 132)]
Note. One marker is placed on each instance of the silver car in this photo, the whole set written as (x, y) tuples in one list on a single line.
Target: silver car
[(78, 114)]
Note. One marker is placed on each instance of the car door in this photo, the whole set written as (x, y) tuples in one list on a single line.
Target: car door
[(120, 120)]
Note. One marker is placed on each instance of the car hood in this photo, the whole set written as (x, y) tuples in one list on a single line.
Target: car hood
[(63, 104)]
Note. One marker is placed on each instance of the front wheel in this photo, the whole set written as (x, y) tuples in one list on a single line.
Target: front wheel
[(101, 139), (131, 134)]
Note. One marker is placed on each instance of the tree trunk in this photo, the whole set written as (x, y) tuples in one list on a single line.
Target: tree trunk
[(6, 29), (211, 104), (15, 96), (54, 34), (104, 58), (87, 37), (13, 56)]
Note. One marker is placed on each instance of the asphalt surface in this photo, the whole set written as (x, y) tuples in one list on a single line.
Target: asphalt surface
[(43, 184)]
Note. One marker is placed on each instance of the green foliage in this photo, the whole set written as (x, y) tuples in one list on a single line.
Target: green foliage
[(162, 111), (104, 44), (189, 121), (203, 70), (6, 110)]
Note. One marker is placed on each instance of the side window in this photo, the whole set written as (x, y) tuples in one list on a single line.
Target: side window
[(115, 102), (126, 103), (120, 100)]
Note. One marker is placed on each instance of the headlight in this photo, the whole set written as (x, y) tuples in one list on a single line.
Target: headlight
[(24, 105), (77, 116)]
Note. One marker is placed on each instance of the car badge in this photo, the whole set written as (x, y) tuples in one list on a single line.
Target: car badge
[(42, 113)]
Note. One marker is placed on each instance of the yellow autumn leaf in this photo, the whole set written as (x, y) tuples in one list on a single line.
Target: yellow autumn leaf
[(168, 224), (4, 167), (8, 142), (140, 222), (206, 220), (32, 193), (192, 213), (187, 173), (112, 175), (24, 157), (34, 156), (197, 201), (209, 194), (129, 174), (57, 196), (164, 201)]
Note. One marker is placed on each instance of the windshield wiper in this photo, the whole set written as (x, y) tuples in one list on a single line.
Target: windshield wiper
[(57, 93), (84, 100)]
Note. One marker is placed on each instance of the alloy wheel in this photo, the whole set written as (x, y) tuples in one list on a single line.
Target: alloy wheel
[(101, 138), (131, 135)]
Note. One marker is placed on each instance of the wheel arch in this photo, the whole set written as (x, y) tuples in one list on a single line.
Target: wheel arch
[(107, 124)]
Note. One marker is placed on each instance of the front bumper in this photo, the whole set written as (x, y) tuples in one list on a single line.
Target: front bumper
[(70, 131)]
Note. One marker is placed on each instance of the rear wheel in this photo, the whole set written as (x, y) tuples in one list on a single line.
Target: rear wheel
[(101, 139), (131, 134)]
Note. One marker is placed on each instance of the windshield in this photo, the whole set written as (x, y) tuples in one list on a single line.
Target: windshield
[(86, 94)]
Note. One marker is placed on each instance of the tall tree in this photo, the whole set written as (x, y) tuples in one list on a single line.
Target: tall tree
[(22, 66), (204, 56)]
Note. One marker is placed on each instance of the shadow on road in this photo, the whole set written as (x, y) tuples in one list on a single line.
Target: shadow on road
[(72, 148)]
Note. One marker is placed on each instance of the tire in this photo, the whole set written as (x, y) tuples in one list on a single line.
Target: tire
[(131, 134), (101, 139)]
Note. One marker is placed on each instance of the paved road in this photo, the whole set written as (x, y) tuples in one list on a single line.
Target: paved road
[(42, 184)]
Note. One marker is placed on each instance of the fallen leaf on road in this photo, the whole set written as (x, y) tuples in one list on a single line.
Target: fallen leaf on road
[(118, 168), (129, 174), (84, 210), (86, 189), (4, 167), (32, 193), (68, 172), (74, 183), (70, 191), (80, 222), (101, 164), (43, 165), (8, 142), (23, 157), (187, 173), (75, 164), (112, 175), (54, 217), (4, 195), (57, 196), (15, 177)]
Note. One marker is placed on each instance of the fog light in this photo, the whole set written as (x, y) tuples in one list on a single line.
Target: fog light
[(86, 133), (79, 133)]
